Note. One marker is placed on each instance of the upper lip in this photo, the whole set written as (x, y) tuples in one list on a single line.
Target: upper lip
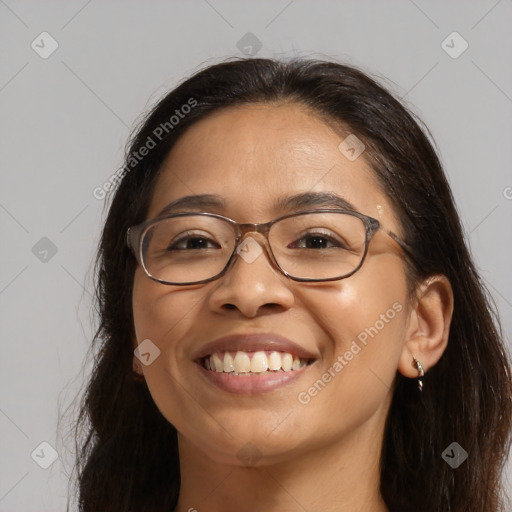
[(252, 343)]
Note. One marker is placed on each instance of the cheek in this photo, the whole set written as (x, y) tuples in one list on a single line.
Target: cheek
[(162, 313), (373, 299), (164, 316), (364, 318)]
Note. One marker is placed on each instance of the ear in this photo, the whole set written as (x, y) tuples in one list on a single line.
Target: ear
[(428, 326)]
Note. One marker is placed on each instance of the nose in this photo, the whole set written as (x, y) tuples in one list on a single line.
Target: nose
[(252, 283)]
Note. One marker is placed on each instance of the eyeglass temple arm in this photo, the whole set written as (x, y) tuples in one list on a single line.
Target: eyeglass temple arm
[(404, 245), (132, 236)]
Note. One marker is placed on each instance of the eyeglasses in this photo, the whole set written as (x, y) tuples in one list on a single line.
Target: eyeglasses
[(308, 246)]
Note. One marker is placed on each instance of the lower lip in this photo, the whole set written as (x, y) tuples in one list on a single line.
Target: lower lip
[(251, 384)]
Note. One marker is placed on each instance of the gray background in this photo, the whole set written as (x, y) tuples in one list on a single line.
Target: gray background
[(66, 118)]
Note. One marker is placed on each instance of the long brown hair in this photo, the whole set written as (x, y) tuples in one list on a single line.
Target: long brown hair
[(127, 457)]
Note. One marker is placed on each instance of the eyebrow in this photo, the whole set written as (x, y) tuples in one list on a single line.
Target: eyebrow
[(216, 203)]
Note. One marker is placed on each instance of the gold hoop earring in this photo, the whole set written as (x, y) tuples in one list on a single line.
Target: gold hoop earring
[(421, 373)]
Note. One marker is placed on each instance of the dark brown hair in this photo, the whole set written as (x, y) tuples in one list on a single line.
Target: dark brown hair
[(127, 459)]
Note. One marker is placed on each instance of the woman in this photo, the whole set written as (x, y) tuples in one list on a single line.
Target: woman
[(290, 318)]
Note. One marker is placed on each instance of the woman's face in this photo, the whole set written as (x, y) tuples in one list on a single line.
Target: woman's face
[(251, 156)]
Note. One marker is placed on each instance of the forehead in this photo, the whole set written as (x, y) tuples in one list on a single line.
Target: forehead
[(255, 156)]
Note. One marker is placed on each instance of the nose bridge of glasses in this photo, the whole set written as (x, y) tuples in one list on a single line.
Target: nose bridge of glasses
[(254, 228), (257, 232)]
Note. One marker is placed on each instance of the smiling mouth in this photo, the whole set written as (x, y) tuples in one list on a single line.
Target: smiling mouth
[(261, 362)]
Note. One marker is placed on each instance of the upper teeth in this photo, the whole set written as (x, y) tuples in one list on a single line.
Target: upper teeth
[(253, 362)]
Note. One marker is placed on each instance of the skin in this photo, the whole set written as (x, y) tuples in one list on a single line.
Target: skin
[(323, 455)]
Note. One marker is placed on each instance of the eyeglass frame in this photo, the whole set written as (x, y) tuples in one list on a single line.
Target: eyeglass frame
[(134, 236)]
